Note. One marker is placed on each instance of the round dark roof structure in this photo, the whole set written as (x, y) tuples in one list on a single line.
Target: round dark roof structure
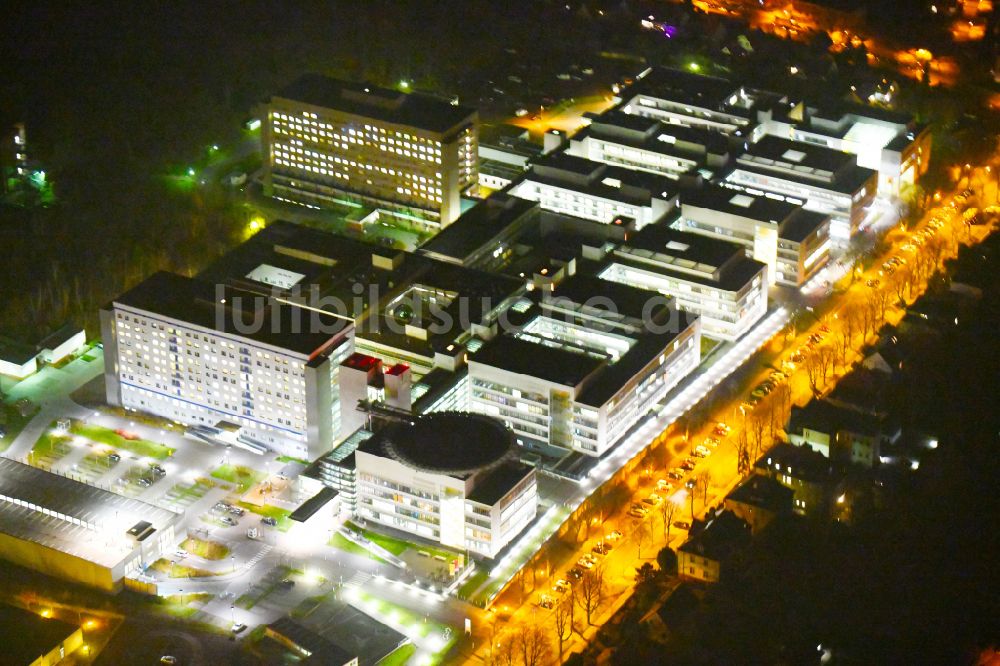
[(455, 443)]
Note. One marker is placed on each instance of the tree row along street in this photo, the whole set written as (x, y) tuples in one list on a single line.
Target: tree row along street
[(847, 320)]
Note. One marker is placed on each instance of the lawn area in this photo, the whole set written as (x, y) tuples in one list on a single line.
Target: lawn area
[(243, 477), (140, 447), (399, 656), (50, 445), (13, 422), (181, 606), (341, 542), (210, 550), (707, 345), (473, 583), (185, 493), (178, 570), (270, 511), (290, 459), (395, 546)]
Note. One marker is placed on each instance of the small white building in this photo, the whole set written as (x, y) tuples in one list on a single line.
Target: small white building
[(62, 343)]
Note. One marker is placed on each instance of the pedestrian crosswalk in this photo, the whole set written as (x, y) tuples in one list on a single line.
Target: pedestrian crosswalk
[(359, 579), (265, 549)]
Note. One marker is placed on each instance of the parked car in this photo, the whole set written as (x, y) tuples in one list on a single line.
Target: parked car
[(545, 602), (601, 548), (228, 520), (682, 524), (614, 535), (702, 451), (145, 482), (168, 659), (576, 573), (585, 563), (561, 586), (236, 511), (652, 500), (687, 465), (287, 584), (268, 520), (238, 627), (676, 475), (636, 512), (711, 441), (721, 429)]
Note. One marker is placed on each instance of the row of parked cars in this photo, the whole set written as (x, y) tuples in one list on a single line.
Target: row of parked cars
[(230, 514), (586, 562)]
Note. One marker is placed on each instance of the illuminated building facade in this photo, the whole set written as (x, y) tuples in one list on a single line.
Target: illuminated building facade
[(448, 477), (572, 185), (75, 531), (174, 348), (327, 141), (794, 243), (705, 276), (583, 366)]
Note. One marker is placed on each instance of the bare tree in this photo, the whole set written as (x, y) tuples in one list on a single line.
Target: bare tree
[(850, 319), (882, 299), (778, 406), (532, 643), (563, 620), (901, 281), (756, 427), (814, 371), (703, 482), (742, 442), (842, 343), (504, 650), (667, 510), (827, 358), (591, 587), (641, 534)]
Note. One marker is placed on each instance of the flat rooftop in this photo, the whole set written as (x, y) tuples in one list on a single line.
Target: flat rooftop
[(415, 110), (734, 202), (689, 257), (90, 523), (678, 85), (493, 485), (612, 301), (196, 302), (802, 224), (29, 636), (452, 443), (651, 134), (799, 154), (694, 248), (533, 360), (16, 352), (490, 219), (601, 180)]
